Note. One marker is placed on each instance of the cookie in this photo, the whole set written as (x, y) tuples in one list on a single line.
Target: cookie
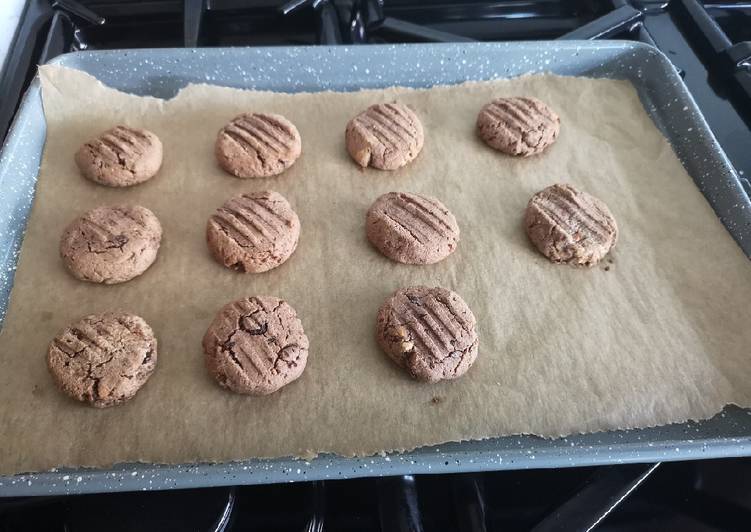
[(411, 228), (253, 232), (256, 345), (518, 126), (385, 136), (121, 157), (103, 359), (111, 244), (430, 332), (570, 226), (257, 145)]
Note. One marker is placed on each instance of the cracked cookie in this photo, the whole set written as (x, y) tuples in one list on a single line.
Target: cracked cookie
[(430, 332), (385, 136), (103, 359), (111, 244), (257, 145), (518, 126), (570, 226), (411, 229), (121, 157), (256, 345), (253, 232)]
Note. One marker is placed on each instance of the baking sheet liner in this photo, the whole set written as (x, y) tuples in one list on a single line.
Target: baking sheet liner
[(658, 335)]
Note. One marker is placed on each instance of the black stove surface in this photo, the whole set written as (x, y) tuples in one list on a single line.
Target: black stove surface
[(706, 41)]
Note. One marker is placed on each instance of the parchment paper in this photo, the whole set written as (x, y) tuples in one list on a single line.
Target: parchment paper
[(659, 335)]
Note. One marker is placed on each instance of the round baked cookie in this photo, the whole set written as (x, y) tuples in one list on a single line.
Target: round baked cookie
[(121, 157), (411, 229), (257, 145), (103, 359), (256, 345), (253, 232), (570, 226), (111, 244), (430, 332), (518, 126), (385, 136)]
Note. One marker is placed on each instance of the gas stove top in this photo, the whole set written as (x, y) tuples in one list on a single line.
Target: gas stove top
[(709, 44)]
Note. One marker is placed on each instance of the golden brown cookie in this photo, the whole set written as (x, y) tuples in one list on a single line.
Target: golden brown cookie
[(121, 157), (103, 359), (256, 345), (412, 229), (430, 332), (518, 126), (385, 136), (253, 232), (570, 226), (111, 244), (257, 145)]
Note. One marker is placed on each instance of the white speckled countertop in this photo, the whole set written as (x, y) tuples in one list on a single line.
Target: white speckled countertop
[(10, 12)]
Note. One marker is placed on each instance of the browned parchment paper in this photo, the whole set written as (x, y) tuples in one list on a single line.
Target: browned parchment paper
[(662, 336)]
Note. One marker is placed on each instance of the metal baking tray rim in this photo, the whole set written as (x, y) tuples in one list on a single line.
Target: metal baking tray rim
[(727, 434)]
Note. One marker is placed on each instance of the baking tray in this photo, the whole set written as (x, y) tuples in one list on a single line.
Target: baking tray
[(163, 72)]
